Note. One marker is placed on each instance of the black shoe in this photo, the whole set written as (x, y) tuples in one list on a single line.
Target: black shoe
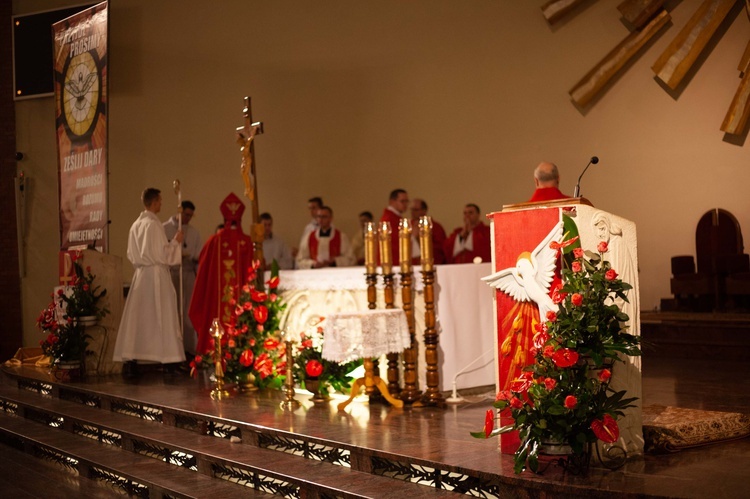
[(172, 369), (130, 369)]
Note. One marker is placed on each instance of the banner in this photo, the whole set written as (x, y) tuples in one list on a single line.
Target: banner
[(80, 67)]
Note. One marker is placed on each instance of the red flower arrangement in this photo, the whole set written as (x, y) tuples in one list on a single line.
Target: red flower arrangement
[(250, 346), (564, 397)]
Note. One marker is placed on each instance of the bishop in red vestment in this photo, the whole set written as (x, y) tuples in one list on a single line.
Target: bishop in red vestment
[(222, 269)]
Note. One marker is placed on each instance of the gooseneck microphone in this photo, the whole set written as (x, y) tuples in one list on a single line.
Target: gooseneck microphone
[(594, 160)]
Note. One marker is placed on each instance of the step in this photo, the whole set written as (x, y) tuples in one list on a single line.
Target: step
[(208, 454), (133, 473), (24, 476)]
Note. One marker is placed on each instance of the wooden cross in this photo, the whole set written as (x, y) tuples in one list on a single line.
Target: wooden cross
[(245, 136)]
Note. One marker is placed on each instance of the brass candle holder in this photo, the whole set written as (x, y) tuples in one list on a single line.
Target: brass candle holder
[(371, 248), (290, 403), (217, 332)]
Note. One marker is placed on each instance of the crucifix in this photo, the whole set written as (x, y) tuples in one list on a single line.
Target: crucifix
[(245, 137)]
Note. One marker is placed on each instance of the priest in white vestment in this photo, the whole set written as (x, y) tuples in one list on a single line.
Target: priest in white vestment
[(150, 327), (326, 246)]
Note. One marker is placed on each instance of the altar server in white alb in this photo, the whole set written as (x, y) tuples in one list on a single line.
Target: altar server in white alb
[(150, 327), (326, 246)]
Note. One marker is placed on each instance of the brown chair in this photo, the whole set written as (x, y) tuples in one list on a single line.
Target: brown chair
[(719, 254)]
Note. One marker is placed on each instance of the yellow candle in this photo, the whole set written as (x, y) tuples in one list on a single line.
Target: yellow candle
[(425, 242), (370, 248), (386, 259), (404, 238)]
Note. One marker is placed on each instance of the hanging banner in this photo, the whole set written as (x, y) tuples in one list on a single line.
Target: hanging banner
[(80, 65)]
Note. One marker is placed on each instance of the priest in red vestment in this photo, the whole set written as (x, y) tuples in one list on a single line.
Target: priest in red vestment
[(325, 246), (472, 240), (398, 202), (547, 181), (222, 269)]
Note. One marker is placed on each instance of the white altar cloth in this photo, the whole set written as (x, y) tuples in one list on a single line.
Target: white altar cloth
[(365, 334), (463, 305)]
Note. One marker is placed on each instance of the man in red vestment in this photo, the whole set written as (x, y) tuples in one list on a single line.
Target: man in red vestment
[(472, 240), (547, 181), (325, 246), (398, 202), (222, 269), (418, 210)]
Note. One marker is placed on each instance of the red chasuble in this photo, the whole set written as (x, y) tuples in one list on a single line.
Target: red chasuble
[(547, 194), (334, 246), (222, 269), (480, 236)]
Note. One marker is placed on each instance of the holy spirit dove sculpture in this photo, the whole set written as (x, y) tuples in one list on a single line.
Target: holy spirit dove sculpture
[(532, 276)]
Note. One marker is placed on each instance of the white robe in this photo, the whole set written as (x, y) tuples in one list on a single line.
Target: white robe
[(150, 327)]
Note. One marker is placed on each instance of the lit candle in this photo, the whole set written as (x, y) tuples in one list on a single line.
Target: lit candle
[(425, 242), (370, 248), (404, 238), (386, 260)]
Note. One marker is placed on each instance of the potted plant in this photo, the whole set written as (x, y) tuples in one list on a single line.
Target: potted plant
[(253, 357), (315, 373), (562, 403), (66, 341), (81, 299)]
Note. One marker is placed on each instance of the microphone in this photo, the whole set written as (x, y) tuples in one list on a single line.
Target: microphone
[(594, 160), (92, 245)]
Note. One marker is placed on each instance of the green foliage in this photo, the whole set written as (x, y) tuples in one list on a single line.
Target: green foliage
[(557, 398)]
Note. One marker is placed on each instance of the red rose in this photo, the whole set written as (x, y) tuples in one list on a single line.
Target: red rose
[(198, 359), (565, 357), (85, 287), (570, 402), (606, 429), (261, 314), (578, 253), (576, 267), (604, 375), (52, 339), (313, 368), (610, 275), (550, 383), (516, 403), (231, 344), (239, 311), (489, 422), (246, 288), (246, 358), (551, 316), (602, 247), (247, 305), (59, 292), (558, 297), (503, 395), (548, 351), (576, 299), (533, 351)]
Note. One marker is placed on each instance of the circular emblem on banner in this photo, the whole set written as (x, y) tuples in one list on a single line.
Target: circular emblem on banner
[(81, 94)]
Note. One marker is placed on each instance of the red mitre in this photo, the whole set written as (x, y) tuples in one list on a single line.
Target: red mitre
[(222, 270)]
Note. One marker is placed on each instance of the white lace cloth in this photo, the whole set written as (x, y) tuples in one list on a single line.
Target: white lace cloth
[(366, 333)]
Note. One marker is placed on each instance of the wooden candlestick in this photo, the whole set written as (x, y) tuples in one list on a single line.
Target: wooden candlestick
[(410, 393)]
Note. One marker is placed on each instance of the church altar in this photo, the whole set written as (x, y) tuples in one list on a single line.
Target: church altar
[(463, 305)]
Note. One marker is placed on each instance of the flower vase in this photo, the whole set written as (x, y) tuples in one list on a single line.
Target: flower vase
[(315, 386), (246, 382), (66, 370), (555, 448), (87, 320)]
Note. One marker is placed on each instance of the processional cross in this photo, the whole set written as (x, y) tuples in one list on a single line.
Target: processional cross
[(245, 137)]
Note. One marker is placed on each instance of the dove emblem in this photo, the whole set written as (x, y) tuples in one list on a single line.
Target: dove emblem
[(532, 276)]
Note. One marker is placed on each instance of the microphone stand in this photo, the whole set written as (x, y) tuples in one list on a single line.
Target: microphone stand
[(577, 191)]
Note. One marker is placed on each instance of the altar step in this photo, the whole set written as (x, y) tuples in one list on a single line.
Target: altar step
[(148, 451)]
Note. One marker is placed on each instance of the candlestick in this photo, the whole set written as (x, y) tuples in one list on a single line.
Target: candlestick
[(425, 242), (404, 254), (386, 260), (219, 392), (370, 248)]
